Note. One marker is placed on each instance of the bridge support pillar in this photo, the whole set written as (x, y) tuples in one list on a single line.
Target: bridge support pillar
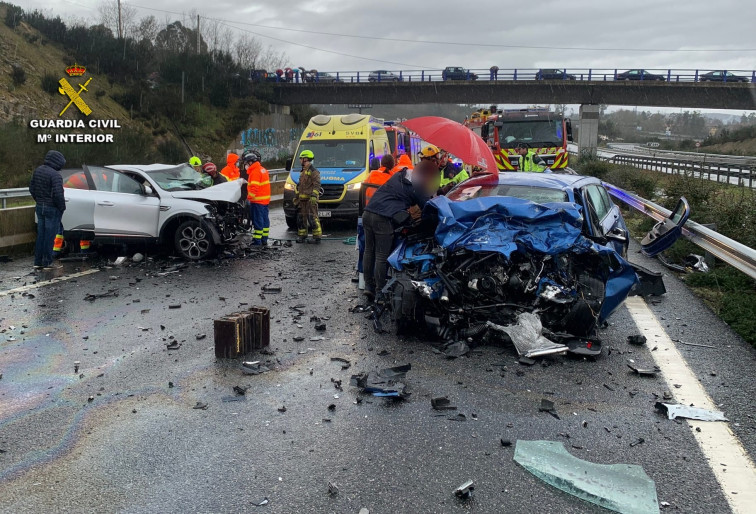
[(588, 133)]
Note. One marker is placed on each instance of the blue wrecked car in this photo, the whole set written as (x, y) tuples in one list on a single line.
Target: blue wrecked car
[(535, 259)]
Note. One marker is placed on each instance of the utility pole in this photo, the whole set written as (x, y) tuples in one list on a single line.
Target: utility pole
[(120, 24), (182, 87), (198, 35)]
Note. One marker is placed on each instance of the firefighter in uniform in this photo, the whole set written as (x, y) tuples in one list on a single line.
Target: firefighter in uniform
[(529, 160), (306, 199), (258, 194)]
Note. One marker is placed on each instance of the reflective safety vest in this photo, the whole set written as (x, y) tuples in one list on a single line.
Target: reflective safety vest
[(376, 178), (529, 163), (461, 176), (258, 186)]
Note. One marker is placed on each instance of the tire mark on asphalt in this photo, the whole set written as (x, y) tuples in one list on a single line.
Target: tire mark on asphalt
[(726, 456)]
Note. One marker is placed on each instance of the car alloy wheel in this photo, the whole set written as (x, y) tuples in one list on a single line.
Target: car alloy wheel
[(193, 241)]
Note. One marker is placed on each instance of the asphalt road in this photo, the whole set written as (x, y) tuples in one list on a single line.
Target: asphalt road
[(139, 446)]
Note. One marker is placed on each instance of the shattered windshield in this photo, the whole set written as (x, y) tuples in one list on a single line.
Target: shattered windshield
[(533, 132), (180, 178), (336, 153), (531, 193)]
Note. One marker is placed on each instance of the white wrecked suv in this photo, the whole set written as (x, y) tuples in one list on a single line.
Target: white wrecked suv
[(155, 203)]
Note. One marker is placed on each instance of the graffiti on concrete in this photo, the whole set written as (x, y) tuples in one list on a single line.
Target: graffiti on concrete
[(273, 144)]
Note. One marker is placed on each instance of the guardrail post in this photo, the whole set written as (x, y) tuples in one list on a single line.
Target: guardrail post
[(514, 76), (422, 76), (695, 79), (669, 75), (724, 75), (4, 203), (589, 75), (615, 74), (753, 76), (358, 77), (401, 78), (564, 73)]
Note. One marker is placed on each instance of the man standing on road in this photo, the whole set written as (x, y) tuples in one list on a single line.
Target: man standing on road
[(46, 188), (529, 160), (258, 195), (396, 203), (306, 199)]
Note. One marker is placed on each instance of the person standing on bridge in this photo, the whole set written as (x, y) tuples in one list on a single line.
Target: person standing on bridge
[(306, 199), (529, 160), (46, 189), (258, 195)]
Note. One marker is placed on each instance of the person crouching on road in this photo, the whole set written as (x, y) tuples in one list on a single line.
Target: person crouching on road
[(231, 171), (306, 199), (396, 203), (46, 189), (258, 195), (210, 175), (529, 160)]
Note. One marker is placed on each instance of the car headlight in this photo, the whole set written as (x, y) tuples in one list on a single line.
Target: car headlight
[(354, 187), (289, 186)]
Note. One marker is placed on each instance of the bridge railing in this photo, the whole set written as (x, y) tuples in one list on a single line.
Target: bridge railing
[(517, 74)]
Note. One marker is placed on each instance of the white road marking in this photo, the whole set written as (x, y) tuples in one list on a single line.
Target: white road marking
[(55, 280), (726, 456)]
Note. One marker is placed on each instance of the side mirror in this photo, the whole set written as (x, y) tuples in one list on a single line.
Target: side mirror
[(374, 164), (148, 190), (617, 234), (568, 125), (289, 163)]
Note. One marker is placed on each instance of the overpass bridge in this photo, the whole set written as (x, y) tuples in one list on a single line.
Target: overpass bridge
[(659, 88)]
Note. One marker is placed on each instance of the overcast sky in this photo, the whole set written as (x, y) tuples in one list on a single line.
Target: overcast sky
[(624, 26), (618, 33)]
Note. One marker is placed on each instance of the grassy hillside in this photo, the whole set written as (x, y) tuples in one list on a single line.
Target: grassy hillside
[(744, 147)]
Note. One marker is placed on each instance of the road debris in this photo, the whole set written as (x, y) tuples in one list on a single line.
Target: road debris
[(76, 366), (644, 372), (698, 345), (637, 339), (464, 491), (548, 406), (384, 383), (619, 487), (454, 350), (241, 332), (638, 441), (241, 391), (333, 489), (527, 336), (345, 364), (505, 442), (253, 368), (282, 409), (200, 406), (261, 503), (320, 327), (442, 403), (271, 289), (173, 345), (683, 411), (110, 293)]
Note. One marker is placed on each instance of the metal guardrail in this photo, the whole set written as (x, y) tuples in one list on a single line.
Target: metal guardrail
[(732, 173), (18, 192), (509, 74), (728, 250), (276, 175)]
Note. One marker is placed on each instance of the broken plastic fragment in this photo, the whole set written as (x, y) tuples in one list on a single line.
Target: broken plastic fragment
[(637, 340), (261, 503), (457, 349), (644, 372), (253, 368), (465, 490), (527, 336), (200, 406), (619, 487), (442, 403), (548, 406), (683, 411)]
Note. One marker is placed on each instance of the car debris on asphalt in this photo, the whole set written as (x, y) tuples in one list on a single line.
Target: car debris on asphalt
[(464, 491), (637, 339), (110, 293), (642, 371), (674, 411), (384, 383), (619, 487), (253, 368), (548, 406), (442, 403)]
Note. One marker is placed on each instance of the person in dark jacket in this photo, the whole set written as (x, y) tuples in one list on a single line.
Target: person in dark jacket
[(394, 204), (46, 188)]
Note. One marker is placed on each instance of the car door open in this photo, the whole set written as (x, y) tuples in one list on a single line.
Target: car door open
[(666, 232)]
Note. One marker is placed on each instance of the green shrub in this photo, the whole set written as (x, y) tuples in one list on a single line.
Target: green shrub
[(18, 75), (49, 83), (13, 15)]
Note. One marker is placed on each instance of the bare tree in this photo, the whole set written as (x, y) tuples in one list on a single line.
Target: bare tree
[(147, 29), (108, 10), (247, 51), (271, 59)]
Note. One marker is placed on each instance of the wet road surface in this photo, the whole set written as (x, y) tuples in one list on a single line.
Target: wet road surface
[(121, 434)]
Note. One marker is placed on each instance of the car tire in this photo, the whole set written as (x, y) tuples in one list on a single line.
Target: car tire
[(291, 222), (192, 241)]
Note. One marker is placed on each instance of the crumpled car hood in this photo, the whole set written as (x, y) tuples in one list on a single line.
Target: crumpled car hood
[(226, 192)]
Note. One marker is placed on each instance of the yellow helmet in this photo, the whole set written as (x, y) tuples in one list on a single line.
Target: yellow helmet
[(429, 151), (195, 161)]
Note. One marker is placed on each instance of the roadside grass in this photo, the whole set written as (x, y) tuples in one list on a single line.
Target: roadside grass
[(730, 209)]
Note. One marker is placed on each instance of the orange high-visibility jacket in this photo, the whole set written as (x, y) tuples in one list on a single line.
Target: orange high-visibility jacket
[(376, 178), (230, 171), (258, 186)]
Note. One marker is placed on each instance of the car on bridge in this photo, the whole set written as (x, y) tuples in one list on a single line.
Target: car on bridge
[(155, 203), (322, 77), (457, 73), (498, 246), (383, 76), (639, 75), (553, 74), (722, 76)]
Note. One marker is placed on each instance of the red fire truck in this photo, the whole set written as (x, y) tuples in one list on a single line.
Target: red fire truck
[(544, 131)]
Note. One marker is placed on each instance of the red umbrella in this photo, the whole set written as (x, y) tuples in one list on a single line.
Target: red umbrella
[(455, 138)]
